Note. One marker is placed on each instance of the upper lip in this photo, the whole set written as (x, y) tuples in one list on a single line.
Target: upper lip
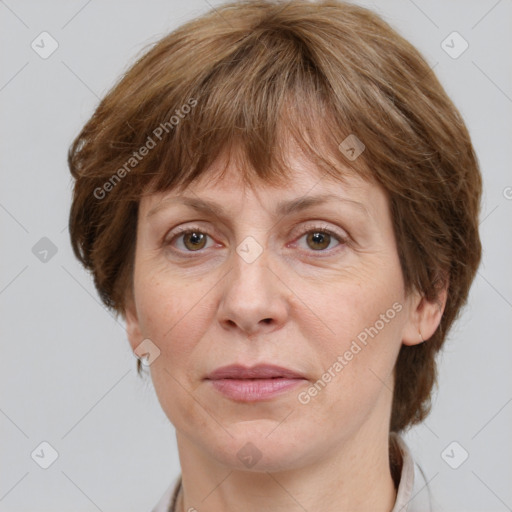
[(260, 371)]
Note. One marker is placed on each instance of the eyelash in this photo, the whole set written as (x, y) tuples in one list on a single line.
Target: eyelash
[(343, 240)]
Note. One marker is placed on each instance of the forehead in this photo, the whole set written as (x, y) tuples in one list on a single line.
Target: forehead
[(226, 183)]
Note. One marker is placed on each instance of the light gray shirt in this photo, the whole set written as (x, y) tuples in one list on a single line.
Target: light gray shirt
[(413, 493)]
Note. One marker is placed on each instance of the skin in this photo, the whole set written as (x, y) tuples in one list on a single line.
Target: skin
[(300, 305)]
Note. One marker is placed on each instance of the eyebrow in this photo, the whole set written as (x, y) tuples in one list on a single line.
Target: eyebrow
[(283, 207)]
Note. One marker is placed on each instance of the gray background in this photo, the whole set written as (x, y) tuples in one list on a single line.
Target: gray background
[(67, 373)]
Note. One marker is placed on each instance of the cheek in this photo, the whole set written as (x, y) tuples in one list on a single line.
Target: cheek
[(352, 303), (173, 314), (360, 320)]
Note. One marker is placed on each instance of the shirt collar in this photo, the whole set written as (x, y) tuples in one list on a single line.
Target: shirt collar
[(413, 493)]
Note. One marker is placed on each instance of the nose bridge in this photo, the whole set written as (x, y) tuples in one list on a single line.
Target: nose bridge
[(252, 299), (249, 281)]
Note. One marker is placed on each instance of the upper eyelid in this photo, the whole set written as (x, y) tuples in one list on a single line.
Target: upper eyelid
[(304, 227)]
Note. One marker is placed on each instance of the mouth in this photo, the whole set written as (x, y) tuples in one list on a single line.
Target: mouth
[(261, 382)]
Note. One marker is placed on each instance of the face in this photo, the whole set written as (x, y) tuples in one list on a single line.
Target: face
[(305, 277)]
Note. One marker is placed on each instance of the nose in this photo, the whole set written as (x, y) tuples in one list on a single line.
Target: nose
[(254, 299)]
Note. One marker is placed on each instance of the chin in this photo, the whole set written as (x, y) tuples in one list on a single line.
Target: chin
[(258, 448)]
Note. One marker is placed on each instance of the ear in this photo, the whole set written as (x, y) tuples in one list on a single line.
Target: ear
[(132, 324), (424, 317)]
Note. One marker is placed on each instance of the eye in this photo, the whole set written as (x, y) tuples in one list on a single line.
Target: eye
[(319, 239), (192, 239)]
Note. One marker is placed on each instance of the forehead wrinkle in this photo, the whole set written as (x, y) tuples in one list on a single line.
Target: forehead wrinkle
[(283, 208)]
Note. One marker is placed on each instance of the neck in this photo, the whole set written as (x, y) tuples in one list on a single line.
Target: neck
[(356, 477)]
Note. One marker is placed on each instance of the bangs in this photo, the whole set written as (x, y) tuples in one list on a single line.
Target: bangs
[(281, 102)]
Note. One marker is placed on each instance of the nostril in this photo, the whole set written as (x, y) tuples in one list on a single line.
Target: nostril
[(267, 320)]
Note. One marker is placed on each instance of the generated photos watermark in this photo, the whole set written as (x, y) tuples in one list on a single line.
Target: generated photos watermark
[(357, 345), (152, 141)]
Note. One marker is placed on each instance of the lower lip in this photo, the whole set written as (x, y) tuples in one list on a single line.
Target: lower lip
[(252, 390)]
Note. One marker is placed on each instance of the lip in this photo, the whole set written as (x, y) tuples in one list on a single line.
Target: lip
[(260, 371), (260, 382)]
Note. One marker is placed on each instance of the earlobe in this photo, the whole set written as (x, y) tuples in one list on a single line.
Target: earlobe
[(425, 317)]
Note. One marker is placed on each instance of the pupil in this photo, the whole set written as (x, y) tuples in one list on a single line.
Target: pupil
[(196, 238), (321, 239)]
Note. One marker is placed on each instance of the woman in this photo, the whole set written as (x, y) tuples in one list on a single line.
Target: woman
[(282, 203)]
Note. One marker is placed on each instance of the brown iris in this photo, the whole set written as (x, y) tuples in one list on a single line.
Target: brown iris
[(317, 237), (194, 240)]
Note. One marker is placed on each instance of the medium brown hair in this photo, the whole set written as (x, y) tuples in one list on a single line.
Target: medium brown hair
[(252, 75)]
